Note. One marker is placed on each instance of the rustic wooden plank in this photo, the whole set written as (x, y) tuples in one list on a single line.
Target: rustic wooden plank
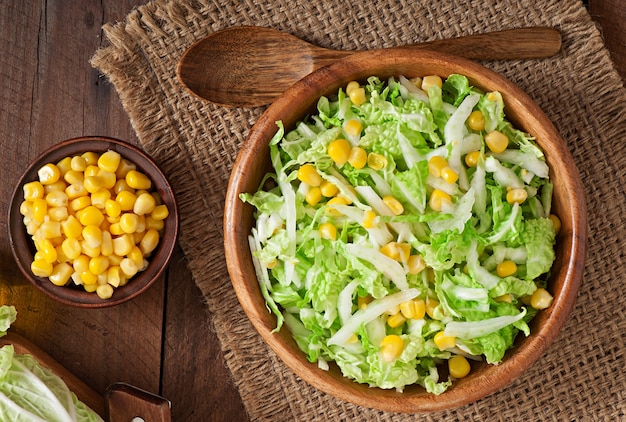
[(611, 17)]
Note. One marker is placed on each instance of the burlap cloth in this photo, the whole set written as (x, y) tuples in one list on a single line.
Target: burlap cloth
[(582, 375)]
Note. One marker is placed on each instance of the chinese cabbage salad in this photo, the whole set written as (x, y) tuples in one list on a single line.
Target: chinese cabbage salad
[(406, 231), (30, 392)]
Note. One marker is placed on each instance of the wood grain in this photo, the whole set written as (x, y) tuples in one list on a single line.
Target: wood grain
[(611, 18)]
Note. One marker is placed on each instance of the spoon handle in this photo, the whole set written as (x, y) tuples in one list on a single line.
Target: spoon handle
[(509, 44)]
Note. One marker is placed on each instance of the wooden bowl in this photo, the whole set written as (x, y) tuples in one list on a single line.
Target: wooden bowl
[(23, 246), (568, 203)]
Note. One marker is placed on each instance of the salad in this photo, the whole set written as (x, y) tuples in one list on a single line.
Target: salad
[(406, 232)]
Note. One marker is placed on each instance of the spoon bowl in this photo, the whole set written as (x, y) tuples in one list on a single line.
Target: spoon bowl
[(251, 66)]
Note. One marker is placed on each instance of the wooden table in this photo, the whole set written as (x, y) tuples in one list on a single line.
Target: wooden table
[(163, 341)]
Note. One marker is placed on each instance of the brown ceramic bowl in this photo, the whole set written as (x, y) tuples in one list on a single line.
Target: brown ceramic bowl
[(23, 247), (569, 204)]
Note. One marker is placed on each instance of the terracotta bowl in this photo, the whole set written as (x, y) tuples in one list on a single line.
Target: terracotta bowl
[(23, 246), (568, 203)]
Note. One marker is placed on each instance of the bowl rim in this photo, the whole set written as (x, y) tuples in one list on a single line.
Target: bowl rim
[(20, 241), (359, 66)]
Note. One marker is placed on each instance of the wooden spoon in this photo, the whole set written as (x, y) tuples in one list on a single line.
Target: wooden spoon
[(249, 66)]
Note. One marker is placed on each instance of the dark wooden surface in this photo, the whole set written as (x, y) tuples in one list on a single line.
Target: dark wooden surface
[(164, 341)]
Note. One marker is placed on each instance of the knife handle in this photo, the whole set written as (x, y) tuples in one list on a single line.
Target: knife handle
[(125, 403)]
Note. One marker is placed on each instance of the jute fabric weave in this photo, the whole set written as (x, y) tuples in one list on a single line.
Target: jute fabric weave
[(581, 376)]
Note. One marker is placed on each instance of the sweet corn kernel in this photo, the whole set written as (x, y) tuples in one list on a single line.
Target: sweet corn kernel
[(506, 268), (449, 175), (71, 248), (121, 186), (98, 265), (476, 120), (48, 251), (328, 189), (416, 264), (357, 96), (144, 204), (81, 264), (431, 306), (87, 249), (497, 141), (556, 222), (64, 165), (369, 219), (128, 267), (129, 222), (393, 204), (73, 177), (59, 185), (126, 199), (472, 158), (58, 214), (363, 301), (152, 223), (91, 170), (507, 298), (431, 80), (61, 274), (391, 347), (112, 208), (352, 128), (313, 196), (88, 277), (33, 190), (90, 288), (104, 291), (308, 174), (337, 200), (122, 245), (376, 161), (160, 212), (40, 209), (328, 231), (113, 276), (516, 196), (541, 299), (109, 161), (78, 163), (99, 198), (48, 174), (438, 199), (90, 157), (76, 190), (72, 227), (41, 268), (138, 180), (57, 198), (413, 309), (391, 250), (436, 164), (107, 178), (352, 85), (90, 216), (394, 321), (136, 255), (124, 167), (458, 366), (357, 157), (80, 203), (443, 341)]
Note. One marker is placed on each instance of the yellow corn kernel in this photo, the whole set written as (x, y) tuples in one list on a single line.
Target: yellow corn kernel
[(48, 251), (33, 190), (313, 196), (357, 157), (122, 245), (391, 348), (449, 175), (121, 185), (160, 212), (352, 85), (149, 241), (416, 81), (114, 276), (71, 248), (363, 301), (352, 127), (72, 227), (109, 161), (328, 231), (57, 198), (90, 216), (476, 120), (89, 250), (339, 151), (116, 229), (395, 250), (369, 219), (506, 268), (416, 264), (556, 221), (413, 309), (431, 306), (92, 235), (48, 174), (104, 291), (72, 177), (91, 170), (137, 256), (124, 167), (458, 366), (107, 178), (126, 199), (81, 263), (49, 230), (90, 157), (376, 161), (88, 277), (507, 297), (41, 268), (78, 163), (61, 274), (128, 267), (394, 321), (541, 299), (64, 165), (443, 341), (106, 246), (112, 208), (328, 189), (516, 196), (99, 198), (93, 183), (90, 288), (431, 80), (472, 158), (129, 222), (138, 180), (75, 190), (438, 198), (152, 223), (144, 204), (58, 214), (80, 203), (337, 200), (436, 164), (308, 174), (357, 96), (40, 209), (393, 204), (497, 141), (98, 265)]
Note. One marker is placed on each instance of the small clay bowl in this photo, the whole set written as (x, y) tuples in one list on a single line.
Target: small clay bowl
[(23, 247), (253, 162)]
